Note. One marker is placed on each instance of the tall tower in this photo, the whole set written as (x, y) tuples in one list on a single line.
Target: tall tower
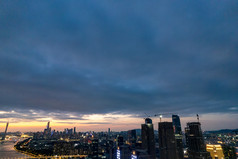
[(48, 125), (148, 138), (74, 130), (5, 133), (178, 136), (109, 132), (47, 131), (167, 142), (195, 141)]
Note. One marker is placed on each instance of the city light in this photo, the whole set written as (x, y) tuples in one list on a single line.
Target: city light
[(119, 79), (118, 153)]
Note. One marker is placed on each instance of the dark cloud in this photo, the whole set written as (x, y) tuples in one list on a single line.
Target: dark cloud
[(128, 56), (38, 115)]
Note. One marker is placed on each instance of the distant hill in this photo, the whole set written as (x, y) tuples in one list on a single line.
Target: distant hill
[(223, 131)]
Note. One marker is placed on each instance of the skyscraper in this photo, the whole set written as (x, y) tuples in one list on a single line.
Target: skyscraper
[(74, 130), (178, 136), (176, 124), (47, 131), (195, 141), (167, 142), (148, 139), (48, 125), (109, 132), (125, 152), (120, 141), (95, 148), (132, 137)]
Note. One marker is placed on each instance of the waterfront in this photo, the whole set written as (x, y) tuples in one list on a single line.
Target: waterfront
[(7, 151)]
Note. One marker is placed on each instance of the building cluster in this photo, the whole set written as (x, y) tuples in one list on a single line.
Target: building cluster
[(49, 134), (222, 142), (168, 142)]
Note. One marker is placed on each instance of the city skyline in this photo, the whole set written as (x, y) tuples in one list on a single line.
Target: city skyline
[(102, 126), (99, 65), (167, 143)]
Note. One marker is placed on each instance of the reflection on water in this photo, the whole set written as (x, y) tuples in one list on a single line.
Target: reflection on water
[(7, 151)]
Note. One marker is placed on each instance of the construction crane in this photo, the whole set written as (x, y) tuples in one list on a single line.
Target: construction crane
[(147, 116), (161, 115)]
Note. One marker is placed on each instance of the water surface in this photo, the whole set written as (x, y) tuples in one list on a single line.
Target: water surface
[(7, 151)]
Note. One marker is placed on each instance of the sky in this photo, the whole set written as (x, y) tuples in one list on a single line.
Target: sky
[(101, 64)]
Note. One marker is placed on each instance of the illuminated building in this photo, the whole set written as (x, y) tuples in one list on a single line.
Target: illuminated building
[(216, 151), (133, 155), (69, 131), (124, 152), (139, 154), (195, 141), (118, 153), (167, 143), (178, 136), (148, 139), (63, 148)]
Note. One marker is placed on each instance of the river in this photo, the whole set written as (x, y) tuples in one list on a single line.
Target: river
[(7, 151)]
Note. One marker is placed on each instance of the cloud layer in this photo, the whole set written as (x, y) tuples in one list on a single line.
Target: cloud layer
[(128, 56)]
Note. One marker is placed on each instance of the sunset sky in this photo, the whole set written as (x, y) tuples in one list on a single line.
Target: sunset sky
[(101, 64)]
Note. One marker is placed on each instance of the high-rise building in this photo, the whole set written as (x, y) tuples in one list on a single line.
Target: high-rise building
[(176, 124), (48, 125), (124, 152), (74, 130), (178, 136), (148, 138), (120, 141), (216, 151), (195, 141), (109, 132), (132, 137), (95, 148), (47, 131), (139, 154), (167, 142)]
